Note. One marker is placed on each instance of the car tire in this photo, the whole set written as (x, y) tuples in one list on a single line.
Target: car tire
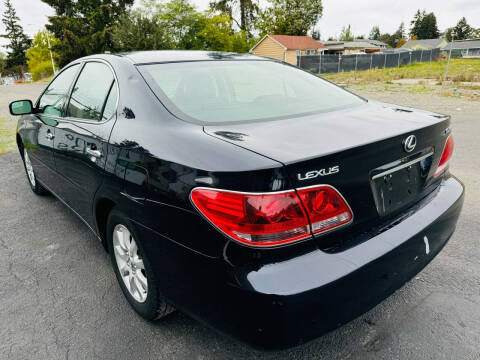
[(36, 187), (133, 270)]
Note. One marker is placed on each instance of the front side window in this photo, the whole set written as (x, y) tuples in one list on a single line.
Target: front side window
[(56, 94), (90, 92), (212, 92)]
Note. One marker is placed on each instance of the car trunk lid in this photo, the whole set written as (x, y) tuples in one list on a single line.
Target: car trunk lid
[(360, 151)]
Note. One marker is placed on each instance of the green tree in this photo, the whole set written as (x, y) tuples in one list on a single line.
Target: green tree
[(3, 63), (290, 17), (18, 41), (38, 55), (183, 23), (397, 36), (374, 33), (424, 26), (217, 34), (84, 27), (429, 28), (248, 12), (386, 38), (401, 42), (346, 34), (416, 23), (316, 34), (461, 31), (178, 25), (137, 31)]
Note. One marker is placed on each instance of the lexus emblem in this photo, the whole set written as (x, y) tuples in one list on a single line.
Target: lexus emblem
[(409, 143)]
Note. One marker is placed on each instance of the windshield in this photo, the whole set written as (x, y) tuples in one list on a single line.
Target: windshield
[(212, 92)]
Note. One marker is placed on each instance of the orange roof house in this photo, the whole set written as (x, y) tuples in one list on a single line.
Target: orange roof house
[(287, 47)]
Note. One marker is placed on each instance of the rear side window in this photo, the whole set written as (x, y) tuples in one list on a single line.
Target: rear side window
[(90, 92), (56, 94), (111, 104)]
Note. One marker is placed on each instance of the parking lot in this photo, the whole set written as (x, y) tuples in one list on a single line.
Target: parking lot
[(59, 298)]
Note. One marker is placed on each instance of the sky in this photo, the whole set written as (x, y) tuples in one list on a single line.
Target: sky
[(360, 14)]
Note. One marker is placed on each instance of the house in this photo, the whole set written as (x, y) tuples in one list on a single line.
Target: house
[(286, 47), (378, 43), (464, 48), (351, 47), (425, 44), (333, 47)]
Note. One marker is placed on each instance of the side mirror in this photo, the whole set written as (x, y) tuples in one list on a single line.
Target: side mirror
[(21, 107)]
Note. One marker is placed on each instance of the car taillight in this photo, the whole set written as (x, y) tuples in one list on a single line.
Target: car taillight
[(446, 156), (254, 219), (270, 219), (326, 208)]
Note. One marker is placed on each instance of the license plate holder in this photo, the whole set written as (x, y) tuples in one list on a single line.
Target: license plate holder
[(401, 185)]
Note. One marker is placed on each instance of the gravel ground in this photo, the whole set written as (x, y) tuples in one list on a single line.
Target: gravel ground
[(60, 300)]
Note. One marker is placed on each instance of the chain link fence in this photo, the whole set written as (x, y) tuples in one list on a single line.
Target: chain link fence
[(337, 63), (470, 52)]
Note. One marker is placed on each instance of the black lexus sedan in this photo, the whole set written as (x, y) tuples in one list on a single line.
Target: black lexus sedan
[(260, 199)]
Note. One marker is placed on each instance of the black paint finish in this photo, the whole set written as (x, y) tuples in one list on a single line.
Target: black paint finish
[(271, 298)]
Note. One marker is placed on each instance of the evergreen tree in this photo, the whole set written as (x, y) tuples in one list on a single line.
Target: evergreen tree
[(461, 31), (429, 29), (397, 35), (18, 41), (84, 27), (3, 62), (416, 23), (346, 34), (386, 38), (424, 26), (316, 34), (374, 33)]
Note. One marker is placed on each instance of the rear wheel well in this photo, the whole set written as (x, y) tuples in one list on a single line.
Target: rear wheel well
[(102, 210)]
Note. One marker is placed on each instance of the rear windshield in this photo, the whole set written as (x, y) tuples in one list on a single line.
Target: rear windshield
[(213, 92)]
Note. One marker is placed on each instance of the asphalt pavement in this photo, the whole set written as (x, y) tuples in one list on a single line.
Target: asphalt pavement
[(59, 298)]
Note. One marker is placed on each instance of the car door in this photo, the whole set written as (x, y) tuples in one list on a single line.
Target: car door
[(82, 136), (40, 126)]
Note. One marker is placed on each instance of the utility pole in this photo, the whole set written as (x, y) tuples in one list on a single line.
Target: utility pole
[(449, 56), (50, 49)]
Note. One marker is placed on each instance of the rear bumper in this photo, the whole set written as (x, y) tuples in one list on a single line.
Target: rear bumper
[(286, 303)]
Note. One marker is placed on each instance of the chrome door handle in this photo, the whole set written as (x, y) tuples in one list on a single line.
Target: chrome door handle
[(94, 153), (49, 136)]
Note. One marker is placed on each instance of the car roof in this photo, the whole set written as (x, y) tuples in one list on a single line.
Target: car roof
[(159, 56)]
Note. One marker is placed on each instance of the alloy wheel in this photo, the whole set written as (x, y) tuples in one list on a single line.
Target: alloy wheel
[(28, 166), (130, 263)]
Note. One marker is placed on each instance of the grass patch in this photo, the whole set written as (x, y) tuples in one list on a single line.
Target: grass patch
[(416, 90), (461, 70), (7, 135)]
